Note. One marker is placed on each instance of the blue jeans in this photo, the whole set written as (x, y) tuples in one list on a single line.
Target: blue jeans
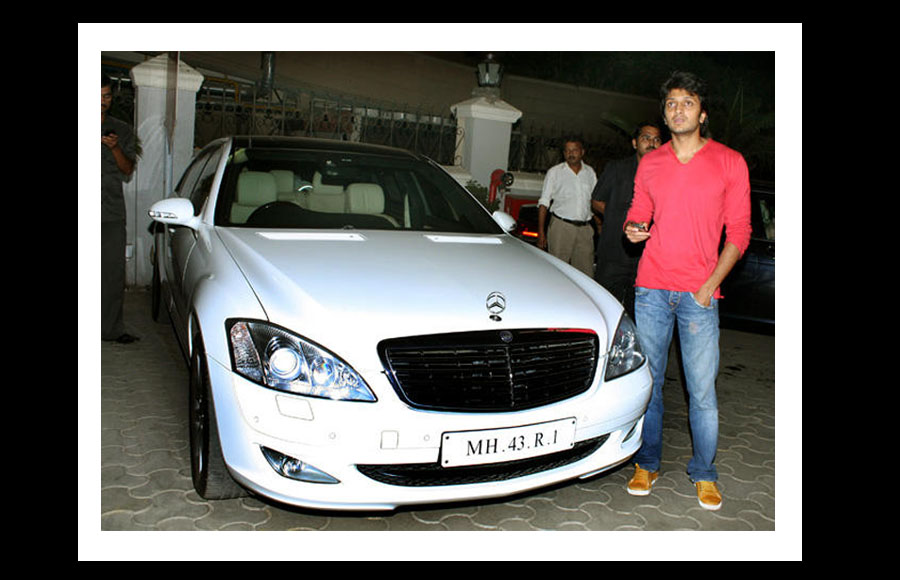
[(656, 312)]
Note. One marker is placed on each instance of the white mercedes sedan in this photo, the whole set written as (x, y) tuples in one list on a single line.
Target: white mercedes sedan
[(362, 334)]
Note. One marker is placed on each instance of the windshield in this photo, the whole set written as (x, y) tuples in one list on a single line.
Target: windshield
[(309, 189)]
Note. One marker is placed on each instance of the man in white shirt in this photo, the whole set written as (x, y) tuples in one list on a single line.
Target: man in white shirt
[(567, 188)]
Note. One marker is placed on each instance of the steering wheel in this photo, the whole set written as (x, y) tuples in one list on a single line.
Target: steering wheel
[(276, 213)]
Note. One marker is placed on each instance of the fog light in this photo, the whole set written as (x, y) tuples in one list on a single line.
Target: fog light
[(295, 469)]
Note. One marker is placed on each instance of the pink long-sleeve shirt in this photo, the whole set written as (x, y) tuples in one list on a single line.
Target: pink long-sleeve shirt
[(687, 204)]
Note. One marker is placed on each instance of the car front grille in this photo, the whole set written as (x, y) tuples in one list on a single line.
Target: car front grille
[(433, 474), (491, 371)]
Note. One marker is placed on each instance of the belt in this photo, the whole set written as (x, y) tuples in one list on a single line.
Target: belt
[(573, 222)]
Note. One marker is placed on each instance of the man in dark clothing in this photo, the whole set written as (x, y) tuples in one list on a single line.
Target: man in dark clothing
[(617, 258), (117, 155)]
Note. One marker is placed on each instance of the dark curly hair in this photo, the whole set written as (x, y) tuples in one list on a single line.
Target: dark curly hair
[(687, 82)]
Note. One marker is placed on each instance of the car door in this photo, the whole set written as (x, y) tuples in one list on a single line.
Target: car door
[(194, 258), (180, 241)]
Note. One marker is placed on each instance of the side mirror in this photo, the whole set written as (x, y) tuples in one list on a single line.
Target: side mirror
[(175, 211), (506, 221)]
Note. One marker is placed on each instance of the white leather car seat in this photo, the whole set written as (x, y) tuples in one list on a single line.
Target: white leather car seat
[(368, 198), (328, 198), (286, 187), (254, 189)]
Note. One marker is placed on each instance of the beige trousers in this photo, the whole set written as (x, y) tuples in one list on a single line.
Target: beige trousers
[(572, 244)]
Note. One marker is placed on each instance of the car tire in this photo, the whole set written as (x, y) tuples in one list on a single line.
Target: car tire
[(209, 472)]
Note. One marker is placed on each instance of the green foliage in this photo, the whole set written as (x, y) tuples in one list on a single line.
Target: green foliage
[(482, 193)]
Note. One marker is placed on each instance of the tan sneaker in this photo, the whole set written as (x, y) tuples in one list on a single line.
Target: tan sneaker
[(708, 495), (641, 481)]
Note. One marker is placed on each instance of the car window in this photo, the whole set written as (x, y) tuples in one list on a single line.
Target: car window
[(301, 188), (201, 190), (191, 175)]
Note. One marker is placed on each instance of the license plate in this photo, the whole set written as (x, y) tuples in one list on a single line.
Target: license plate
[(498, 445)]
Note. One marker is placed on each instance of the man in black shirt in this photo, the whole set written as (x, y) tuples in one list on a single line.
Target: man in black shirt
[(117, 159), (617, 258)]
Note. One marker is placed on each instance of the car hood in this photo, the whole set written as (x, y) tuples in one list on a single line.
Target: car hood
[(376, 285)]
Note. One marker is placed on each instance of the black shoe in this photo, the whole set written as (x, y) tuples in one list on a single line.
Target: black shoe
[(127, 339)]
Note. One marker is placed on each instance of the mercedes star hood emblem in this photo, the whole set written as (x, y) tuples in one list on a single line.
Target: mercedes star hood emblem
[(495, 303)]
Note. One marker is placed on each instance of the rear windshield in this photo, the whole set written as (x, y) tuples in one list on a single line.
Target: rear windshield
[(306, 189)]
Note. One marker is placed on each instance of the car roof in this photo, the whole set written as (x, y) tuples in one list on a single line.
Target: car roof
[(761, 186), (285, 142)]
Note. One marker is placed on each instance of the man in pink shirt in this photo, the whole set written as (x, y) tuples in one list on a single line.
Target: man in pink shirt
[(684, 193)]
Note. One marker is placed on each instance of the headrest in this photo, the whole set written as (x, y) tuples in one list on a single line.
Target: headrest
[(365, 198), (284, 180), (255, 188)]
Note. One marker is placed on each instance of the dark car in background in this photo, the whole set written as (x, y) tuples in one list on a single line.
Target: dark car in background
[(749, 290)]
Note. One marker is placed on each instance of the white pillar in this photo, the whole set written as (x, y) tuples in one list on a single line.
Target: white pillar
[(164, 111), (483, 142)]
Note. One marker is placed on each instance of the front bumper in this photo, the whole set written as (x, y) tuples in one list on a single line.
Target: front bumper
[(337, 437)]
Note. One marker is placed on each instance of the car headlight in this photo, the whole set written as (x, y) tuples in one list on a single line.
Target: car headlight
[(625, 353), (278, 359)]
